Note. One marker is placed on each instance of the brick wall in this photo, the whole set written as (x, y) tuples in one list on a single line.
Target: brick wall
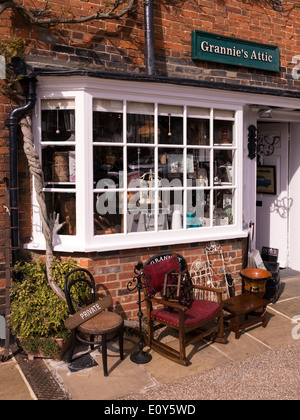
[(118, 46), (113, 270)]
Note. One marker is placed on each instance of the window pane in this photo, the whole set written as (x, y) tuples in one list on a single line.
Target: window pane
[(107, 127), (224, 113), (65, 205), (103, 105), (197, 208), (171, 206), (170, 129), (108, 166), (171, 165), (141, 205), (140, 162), (59, 164), (58, 125), (223, 132), (140, 128), (223, 173), (140, 123), (223, 202), (108, 214), (197, 131), (198, 167)]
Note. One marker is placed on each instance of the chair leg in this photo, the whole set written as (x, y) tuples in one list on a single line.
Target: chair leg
[(181, 336), (104, 354), (121, 343), (92, 339), (72, 347), (220, 333)]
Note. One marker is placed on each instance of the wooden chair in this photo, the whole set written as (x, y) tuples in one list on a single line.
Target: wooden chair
[(177, 309), (91, 320)]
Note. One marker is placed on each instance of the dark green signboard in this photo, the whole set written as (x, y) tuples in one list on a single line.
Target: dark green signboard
[(237, 52)]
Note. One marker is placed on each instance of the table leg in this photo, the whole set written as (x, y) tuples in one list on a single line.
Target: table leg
[(237, 327)]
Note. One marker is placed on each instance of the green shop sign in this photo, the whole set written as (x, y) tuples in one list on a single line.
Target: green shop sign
[(237, 52)]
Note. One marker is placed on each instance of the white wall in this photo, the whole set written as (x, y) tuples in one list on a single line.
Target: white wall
[(294, 194), (249, 174)]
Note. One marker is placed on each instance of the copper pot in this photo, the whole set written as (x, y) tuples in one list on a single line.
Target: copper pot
[(255, 280), (255, 274)]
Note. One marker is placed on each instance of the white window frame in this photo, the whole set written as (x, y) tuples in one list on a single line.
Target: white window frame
[(83, 89)]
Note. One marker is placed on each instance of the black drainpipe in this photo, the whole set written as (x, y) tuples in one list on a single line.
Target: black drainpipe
[(12, 122), (149, 38)]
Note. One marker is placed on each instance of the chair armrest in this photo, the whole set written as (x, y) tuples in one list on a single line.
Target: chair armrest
[(219, 292), (209, 289), (168, 303)]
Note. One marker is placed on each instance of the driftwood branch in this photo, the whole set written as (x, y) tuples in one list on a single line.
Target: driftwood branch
[(45, 17), (50, 224)]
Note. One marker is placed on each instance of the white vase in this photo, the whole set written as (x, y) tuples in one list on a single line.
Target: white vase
[(176, 220)]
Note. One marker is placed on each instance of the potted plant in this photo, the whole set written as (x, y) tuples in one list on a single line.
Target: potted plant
[(37, 313)]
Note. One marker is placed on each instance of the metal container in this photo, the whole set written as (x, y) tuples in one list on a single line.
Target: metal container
[(255, 280)]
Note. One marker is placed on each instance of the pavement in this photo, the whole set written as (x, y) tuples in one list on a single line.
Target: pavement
[(262, 364)]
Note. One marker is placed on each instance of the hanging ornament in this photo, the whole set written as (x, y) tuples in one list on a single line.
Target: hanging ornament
[(57, 120), (169, 133)]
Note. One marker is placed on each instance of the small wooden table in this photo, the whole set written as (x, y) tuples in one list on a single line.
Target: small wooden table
[(245, 304)]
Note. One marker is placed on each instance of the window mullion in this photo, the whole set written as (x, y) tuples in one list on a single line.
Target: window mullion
[(125, 166), (84, 171), (211, 181), (156, 182)]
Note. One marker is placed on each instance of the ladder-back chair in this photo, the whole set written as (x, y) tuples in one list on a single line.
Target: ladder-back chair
[(176, 307)]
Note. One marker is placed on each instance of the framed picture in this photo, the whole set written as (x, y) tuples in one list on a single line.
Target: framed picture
[(266, 179), (175, 163)]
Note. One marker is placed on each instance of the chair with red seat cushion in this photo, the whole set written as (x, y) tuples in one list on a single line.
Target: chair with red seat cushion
[(184, 314)]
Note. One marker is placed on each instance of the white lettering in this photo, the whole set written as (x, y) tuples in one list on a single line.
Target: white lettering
[(113, 409), (296, 329), (90, 311), (171, 409), (204, 46)]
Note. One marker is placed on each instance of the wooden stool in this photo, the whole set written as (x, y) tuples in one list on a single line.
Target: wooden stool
[(244, 305)]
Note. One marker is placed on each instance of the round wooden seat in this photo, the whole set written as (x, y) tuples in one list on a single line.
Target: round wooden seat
[(92, 320), (104, 323)]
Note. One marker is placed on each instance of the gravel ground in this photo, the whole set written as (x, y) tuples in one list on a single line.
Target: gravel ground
[(272, 375)]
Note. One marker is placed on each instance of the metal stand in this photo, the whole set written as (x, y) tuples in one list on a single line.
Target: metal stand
[(140, 356)]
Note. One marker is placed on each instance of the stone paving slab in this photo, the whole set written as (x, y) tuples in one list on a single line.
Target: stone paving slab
[(13, 384), (258, 358)]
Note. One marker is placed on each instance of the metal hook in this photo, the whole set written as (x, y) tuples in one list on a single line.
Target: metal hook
[(7, 209)]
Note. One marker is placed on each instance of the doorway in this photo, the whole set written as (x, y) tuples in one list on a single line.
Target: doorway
[(273, 201)]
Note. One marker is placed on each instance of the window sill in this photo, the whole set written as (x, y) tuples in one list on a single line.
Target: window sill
[(72, 244)]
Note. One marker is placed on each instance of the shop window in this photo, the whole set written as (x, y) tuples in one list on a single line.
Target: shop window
[(169, 173), (121, 167), (59, 160)]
